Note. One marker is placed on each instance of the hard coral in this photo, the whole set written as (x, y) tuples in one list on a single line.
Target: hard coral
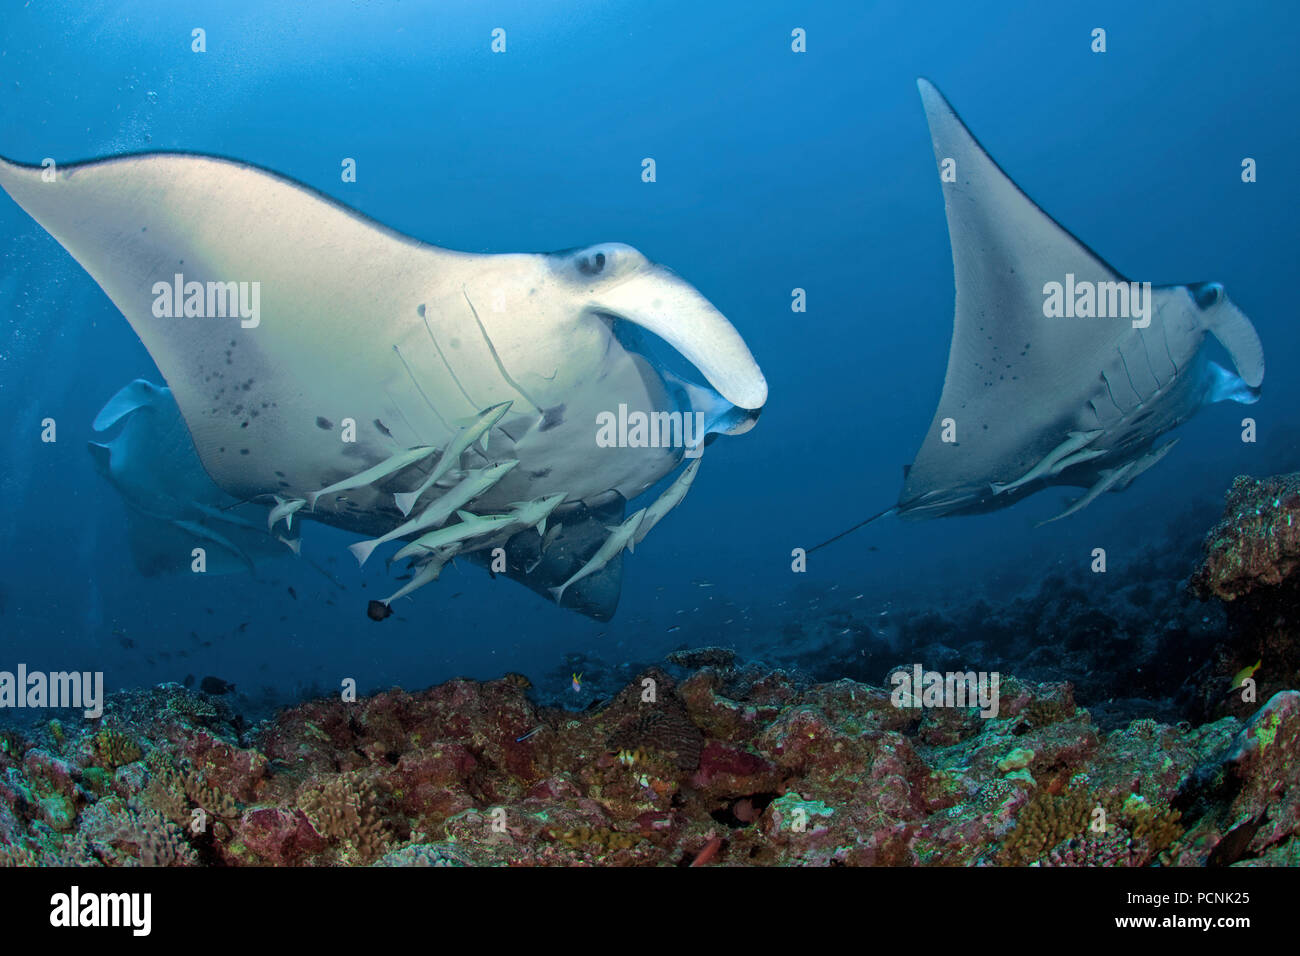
[(343, 810), (1044, 822), (113, 749), (1257, 543)]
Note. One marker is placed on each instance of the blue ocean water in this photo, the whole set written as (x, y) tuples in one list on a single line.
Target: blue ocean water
[(776, 171)]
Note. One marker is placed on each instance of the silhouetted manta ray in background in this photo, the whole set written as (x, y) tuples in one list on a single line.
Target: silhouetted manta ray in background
[(172, 504), (1034, 401), (483, 358)]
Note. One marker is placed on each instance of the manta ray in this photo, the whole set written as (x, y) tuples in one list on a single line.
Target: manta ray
[(1033, 398), (172, 505), (326, 365)]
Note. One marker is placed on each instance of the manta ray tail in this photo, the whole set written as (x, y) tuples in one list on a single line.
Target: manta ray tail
[(848, 531)]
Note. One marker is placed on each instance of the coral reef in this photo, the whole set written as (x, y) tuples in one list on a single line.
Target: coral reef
[(1251, 562), (733, 765), (1257, 542)]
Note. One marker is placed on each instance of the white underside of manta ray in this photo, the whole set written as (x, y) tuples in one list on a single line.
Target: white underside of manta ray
[(1030, 400), (443, 363)]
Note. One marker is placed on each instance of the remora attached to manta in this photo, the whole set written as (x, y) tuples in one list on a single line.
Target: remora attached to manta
[(402, 342), (1030, 400)]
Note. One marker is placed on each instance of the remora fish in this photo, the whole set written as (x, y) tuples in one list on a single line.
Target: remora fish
[(670, 499), (284, 508), (478, 428), (429, 571), (389, 466), (470, 526), (474, 484), (619, 538)]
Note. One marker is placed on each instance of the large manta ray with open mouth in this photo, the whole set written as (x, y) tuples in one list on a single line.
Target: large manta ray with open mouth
[(1041, 392), (338, 371)]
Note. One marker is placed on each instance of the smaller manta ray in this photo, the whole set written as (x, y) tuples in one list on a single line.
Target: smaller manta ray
[(172, 504), (1032, 398)]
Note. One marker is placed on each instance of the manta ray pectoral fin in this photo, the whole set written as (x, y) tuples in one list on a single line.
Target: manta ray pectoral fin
[(1014, 374)]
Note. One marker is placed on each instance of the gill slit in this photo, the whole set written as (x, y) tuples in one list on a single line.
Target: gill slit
[(495, 357), (1124, 362), (432, 338), (411, 375), (1106, 379)]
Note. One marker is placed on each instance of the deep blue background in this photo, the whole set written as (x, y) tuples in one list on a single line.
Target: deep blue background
[(775, 171)]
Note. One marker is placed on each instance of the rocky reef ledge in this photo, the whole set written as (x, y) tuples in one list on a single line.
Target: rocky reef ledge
[(731, 765)]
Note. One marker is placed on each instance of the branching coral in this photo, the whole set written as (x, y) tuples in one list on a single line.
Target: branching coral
[(174, 792), (1044, 822), (135, 835), (603, 837), (113, 749), (1156, 828), (344, 811)]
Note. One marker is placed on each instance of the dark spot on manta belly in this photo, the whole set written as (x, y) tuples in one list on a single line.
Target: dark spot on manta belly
[(323, 422), (539, 474), (552, 417), (243, 451)]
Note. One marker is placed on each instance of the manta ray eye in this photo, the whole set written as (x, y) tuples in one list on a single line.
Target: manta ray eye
[(1207, 294), (592, 265)]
